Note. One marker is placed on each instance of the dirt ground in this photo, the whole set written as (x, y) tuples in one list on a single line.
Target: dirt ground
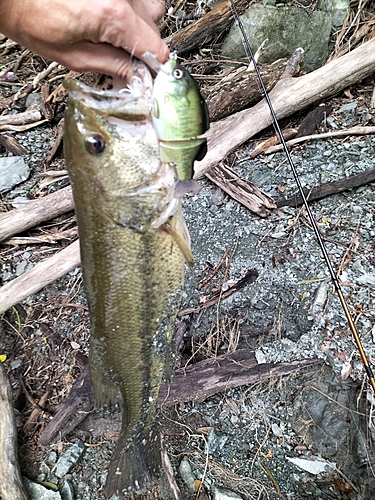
[(246, 439)]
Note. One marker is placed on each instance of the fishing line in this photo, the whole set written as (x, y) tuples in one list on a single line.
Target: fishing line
[(319, 239)]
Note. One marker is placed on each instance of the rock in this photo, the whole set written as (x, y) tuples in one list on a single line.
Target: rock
[(223, 494), (20, 268), (316, 466), (19, 201), (34, 101), (13, 170), (340, 9), (66, 489), (69, 458), (186, 474), (286, 29), (39, 492), (329, 417), (215, 441)]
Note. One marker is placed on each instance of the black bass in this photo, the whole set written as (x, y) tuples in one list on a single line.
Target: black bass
[(134, 244), (179, 115)]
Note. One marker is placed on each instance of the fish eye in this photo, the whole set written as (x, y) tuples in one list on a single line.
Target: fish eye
[(178, 73), (95, 144)]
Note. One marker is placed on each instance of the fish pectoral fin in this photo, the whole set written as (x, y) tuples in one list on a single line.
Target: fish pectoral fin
[(182, 242)]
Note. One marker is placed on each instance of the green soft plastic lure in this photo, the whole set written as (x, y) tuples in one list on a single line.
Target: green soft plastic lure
[(180, 117)]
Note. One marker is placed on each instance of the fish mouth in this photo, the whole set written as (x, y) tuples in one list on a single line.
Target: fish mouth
[(130, 101)]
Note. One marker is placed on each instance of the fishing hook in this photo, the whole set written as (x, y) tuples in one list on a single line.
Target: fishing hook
[(319, 239)]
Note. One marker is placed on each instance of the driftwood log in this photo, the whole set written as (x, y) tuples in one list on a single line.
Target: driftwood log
[(206, 28), (197, 382), (11, 485), (240, 89), (38, 277), (35, 212), (288, 96)]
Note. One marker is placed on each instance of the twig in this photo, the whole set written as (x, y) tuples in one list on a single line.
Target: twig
[(22, 128), (32, 420), (249, 277), (325, 135), (204, 282), (40, 76)]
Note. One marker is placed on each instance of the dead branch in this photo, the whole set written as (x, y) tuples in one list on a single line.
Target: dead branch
[(206, 28), (38, 277), (52, 237), (250, 277), (22, 128), (194, 383), (75, 408), (204, 379), (37, 211), (330, 188), (267, 144), (324, 135), (29, 116), (240, 89), (288, 96), (11, 144), (11, 485), (32, 421)]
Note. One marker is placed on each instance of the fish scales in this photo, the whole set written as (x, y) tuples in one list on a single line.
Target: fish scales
[(134, 243)]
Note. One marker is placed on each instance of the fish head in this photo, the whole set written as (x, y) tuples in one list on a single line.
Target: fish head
[(111, 150)]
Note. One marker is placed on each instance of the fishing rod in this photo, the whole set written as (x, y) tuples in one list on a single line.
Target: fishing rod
[(319, 239)]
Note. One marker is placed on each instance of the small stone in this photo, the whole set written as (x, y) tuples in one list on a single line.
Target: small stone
[(13, 170), (186, 474), (52, 458), (34, 101), (66, 490), (224, 494), (19, 201), (69, 459), (215, 441), (20, 268)]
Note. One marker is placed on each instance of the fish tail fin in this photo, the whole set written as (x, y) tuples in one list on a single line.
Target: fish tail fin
[(136, 464)]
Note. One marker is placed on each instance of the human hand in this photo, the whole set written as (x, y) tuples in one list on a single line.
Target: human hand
[(86, 35)]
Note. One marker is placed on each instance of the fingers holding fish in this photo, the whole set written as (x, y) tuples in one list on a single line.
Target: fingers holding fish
[(86, 36)]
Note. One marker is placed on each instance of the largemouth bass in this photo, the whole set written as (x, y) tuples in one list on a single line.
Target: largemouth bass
[(134, 244)]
